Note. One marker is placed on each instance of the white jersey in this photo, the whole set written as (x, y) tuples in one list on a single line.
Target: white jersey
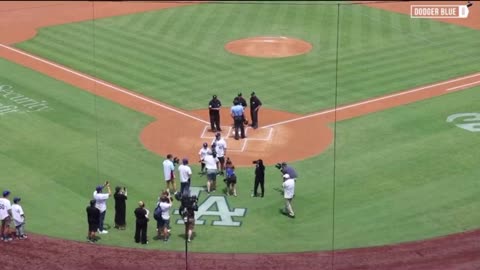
[(5, 205), (17, 213), (165, 210), (220, 147), (101, 201), (203, 152), (168, 170), (289, 188), (210, 162), (184, 172)]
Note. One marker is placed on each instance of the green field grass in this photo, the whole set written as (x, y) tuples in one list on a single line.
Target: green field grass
[(398, 175), (174, 53)]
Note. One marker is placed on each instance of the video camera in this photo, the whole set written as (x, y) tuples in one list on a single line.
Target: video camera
[(189, 205), (256, 161), (280, 165), (176, 161)]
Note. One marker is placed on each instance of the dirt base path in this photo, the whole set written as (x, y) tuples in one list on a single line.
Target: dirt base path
[(20, 20)]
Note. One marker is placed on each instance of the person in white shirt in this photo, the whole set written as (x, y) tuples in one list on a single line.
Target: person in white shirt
[(101, 204), (18, 218), (169, 173), (185, 173), (221, 150), (288, 194), (211, 164), (202, 153), (5, 216), (165, 205)]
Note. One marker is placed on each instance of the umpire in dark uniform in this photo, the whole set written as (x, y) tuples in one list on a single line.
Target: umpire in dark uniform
[(255, 105), (214, 112), (237, 112), (241, 100)]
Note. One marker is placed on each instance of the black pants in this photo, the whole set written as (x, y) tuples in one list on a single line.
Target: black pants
[(238, 123), (254, 116), (184, 186), (215, 121), (262, 187), (141, 232)]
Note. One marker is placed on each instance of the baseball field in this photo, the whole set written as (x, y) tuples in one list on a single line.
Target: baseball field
[(378, 113)]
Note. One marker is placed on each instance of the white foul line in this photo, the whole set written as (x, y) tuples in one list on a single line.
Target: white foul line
[(461, 86), (103, 83), (369, 101)]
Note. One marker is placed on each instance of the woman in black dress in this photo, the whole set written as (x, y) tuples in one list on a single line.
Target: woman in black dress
[(120, 197)]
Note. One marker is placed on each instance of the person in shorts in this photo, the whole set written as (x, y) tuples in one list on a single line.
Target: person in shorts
[(165, 205), (18, 218), (5, 216), (93, 218), (211, 164)]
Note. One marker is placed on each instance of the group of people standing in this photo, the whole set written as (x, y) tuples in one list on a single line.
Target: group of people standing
[(237, 112), (9, 213)]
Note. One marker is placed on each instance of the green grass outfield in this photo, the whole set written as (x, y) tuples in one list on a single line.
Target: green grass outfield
[(400, 175)]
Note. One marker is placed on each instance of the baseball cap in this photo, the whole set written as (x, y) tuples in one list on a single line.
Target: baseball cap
[(99, 188), (239, 94), (218, 134), (286, 176), (185, 161), (214, 96), (253, 93), (16, 199), (205, 144), (6, 193)]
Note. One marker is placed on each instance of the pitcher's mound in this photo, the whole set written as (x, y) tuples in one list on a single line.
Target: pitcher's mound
[(268, 47)]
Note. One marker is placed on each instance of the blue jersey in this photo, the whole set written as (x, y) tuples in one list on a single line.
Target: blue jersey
[(237, 110)]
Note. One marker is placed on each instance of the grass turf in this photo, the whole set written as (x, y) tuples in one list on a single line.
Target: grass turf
[(383, 195), (177, 53), (404, 193)]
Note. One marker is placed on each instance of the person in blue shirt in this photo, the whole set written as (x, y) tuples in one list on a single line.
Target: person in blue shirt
[(231, 178), (237, 113)]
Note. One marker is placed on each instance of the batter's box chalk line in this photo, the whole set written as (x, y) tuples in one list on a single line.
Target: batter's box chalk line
[(228, 132)]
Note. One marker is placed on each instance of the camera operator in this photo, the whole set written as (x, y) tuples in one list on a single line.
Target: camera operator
[(259, 177), (287, 169), (187, 211)]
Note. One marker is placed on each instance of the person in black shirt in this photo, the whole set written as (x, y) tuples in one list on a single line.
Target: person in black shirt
[(259, 178), (187, 211), (120, 197), (255, 105), (214, 112), (93, 218), (141, 214), (241, 100)]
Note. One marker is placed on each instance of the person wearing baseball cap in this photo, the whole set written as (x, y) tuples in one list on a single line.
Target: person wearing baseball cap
[(288, 194), (239, 98), (185, 173), (255, 105), (18, 218), (214, 112), (5, 216), (101, 204)]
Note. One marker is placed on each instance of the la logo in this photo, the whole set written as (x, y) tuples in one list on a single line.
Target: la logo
[(215, 206)]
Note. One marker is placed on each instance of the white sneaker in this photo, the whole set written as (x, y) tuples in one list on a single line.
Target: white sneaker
[(103, 232)]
